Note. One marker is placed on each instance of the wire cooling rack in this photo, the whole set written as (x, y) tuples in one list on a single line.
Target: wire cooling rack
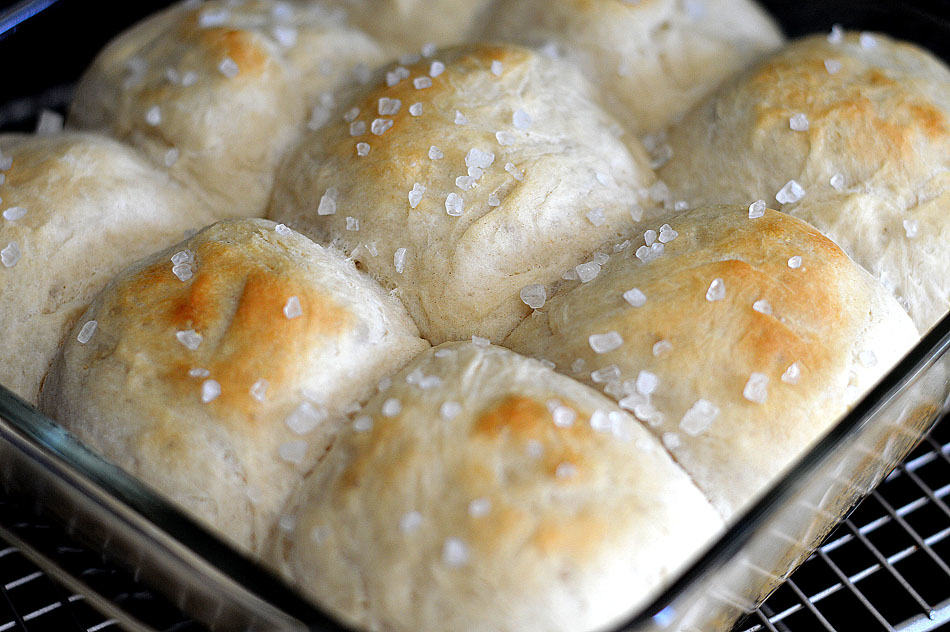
[(885, 568)]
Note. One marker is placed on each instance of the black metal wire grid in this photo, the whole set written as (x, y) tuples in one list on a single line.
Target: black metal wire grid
[(886, 567)]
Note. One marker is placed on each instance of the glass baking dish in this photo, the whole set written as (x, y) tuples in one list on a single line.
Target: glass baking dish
[(113, 512)]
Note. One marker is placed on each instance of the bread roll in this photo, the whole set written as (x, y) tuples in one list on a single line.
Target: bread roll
[(76, 209), (500, 175), (217, 369), (414, 24), (740, 344), (483, 491), (215, 92), (861, 126), (650, 60)]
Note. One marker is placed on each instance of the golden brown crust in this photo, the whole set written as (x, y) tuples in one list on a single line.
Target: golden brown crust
[(286, 334), (494, 515), (822, 316), (872, 159), (532, 184)]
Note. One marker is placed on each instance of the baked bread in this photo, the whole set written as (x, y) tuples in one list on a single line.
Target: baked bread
[(853, 136), (651, 60), (215, 92), (77, 208), (739, 344), (217, 370), (499, 175), (419, 24), (483, 491)]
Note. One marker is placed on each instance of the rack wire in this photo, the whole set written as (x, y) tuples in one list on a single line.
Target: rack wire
[(885, 568)]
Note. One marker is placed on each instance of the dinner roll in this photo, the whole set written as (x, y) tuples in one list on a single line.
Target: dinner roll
[(76, 209), (472, 176), (215, 92), (418, 24), (650, 60), (740, 342), (483, 491), (217, 370), (850, 133)]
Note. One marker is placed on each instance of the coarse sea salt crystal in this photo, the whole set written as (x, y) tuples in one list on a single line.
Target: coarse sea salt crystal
[(415, 109), (661, 348), (428, 49), (229, 68), (350, 115), (600, 421), (757, 209), (521, 119), (436, 68), (911, 227), (667, 234), (647, 382), (563, 416), (699, 417), (792, 374), (88, 329), (363, 423), (606, 342), (284, 35), (327, 204), (171, 157), (198, 372), (14, 213), (596, 216), (210, 389), (258, 390), (635, 297), (213, 16), (153, 116), (837, 182), (587, 271), (756, 389), (293, 451), (292, 308), (533, 295), (516, 173), (388, 107), (49, 123), (867, 358), (357, 128), (493, 200), (790, 193), (671, 440), (867, 41), (415, 195), (795, 262), (605, 374), (798, 122), (496, 68), (454, 552), (504, 138), (454, 205), (465, 182), (449, 410), (762, 306), (380, 126), (362, 149), (435, 153), (391, 407), (399, 260), (836, 36), (190, 338), (716, 291), (282, 229), (396, 75), (833, 66), (189, 78), (479, 158), (305, 418), (421, 83), (410, 521), (479, 507)]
